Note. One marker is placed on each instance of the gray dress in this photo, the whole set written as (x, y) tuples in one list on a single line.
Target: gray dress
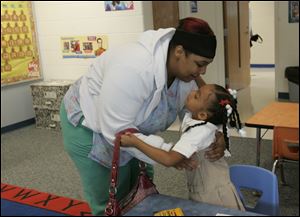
[(210, 182)]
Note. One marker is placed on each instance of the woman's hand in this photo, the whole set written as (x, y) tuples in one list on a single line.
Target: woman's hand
[(217, 148), (129, 140)]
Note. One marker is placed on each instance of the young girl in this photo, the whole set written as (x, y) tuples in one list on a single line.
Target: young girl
[(209, 106)]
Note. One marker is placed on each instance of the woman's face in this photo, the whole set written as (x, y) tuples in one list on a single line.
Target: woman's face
[(189, 67)]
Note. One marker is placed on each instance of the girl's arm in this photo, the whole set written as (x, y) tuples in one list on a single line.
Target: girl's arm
[(165, 158)]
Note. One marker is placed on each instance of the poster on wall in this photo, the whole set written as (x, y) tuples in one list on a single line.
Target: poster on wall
[(19, 50), (193, 6), (293, 12), (118, 5), (83, 46)]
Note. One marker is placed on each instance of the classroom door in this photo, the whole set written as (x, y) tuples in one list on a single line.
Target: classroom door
[(237, 47), (165, 14)]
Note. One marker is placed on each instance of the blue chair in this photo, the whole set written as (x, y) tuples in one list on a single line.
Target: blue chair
[(258, 179)]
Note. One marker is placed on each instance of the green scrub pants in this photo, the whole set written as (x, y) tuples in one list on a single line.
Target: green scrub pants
[(95, 178)]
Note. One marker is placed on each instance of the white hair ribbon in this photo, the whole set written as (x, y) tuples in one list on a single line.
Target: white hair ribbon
[(233, 93), (229, 110), (227, 153), (242, 132)]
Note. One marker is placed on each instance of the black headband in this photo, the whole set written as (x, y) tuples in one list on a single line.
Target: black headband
[(199, 44)]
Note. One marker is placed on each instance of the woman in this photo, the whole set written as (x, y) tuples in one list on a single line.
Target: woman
[(141, 85)]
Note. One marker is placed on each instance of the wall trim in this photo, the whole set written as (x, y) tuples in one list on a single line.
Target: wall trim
[(262, 65), (283, 95), (17, 125)]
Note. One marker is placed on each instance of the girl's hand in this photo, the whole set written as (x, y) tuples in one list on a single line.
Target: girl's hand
[(129, 140), (188, 164)]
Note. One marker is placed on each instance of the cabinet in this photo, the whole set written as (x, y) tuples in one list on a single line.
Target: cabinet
[(47, 97)]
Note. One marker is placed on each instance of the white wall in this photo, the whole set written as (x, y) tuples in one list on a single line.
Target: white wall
[(16, 104), (286, 45), (262, 21), (55, 19), (212, 12)]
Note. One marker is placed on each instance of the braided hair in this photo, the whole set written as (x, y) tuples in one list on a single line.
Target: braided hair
[(217, 108)]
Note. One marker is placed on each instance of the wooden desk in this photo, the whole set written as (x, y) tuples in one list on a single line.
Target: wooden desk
[(281, 114)]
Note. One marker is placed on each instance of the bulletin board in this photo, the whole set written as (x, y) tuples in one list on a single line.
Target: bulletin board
[(20, 60)]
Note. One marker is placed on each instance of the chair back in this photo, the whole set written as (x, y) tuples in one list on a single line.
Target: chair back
[(259, 179), (285, 143)]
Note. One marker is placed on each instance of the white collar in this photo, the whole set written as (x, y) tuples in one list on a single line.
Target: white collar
[(189, 121)]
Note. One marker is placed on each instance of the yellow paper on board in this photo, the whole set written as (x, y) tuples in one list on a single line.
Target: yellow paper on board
[(170, 212)]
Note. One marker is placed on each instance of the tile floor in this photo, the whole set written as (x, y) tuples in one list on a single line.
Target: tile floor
[(252, 99)]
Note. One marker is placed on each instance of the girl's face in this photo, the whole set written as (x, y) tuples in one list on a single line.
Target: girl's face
[(189, 67), (198, 100)]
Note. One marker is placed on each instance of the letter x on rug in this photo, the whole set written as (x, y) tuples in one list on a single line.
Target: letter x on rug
[(16, 201)]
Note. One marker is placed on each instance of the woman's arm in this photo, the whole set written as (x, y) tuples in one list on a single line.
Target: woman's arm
[(217, 148), (165, 158)]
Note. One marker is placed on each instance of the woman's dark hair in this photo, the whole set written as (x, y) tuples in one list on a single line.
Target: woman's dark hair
[(194, 25), (217, 108)]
